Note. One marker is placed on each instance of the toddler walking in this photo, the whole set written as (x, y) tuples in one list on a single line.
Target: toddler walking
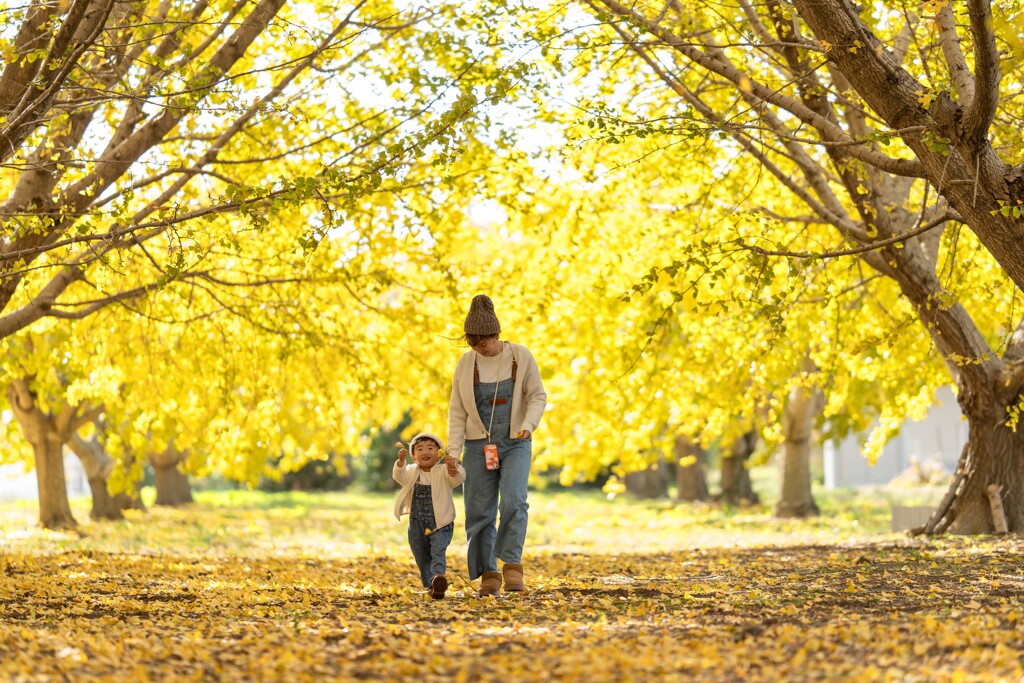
[(426, 496)]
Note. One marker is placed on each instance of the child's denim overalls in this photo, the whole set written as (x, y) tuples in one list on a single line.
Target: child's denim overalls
[(429, 551)]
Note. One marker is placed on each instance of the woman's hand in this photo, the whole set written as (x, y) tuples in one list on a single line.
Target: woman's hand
[(524, 435)]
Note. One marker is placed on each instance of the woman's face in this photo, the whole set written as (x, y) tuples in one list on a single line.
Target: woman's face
[(491, 346)]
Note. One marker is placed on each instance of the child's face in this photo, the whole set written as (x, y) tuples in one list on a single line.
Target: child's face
[(425, 454)]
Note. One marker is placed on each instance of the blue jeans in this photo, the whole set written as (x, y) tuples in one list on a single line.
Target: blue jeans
[(489, 493), (429, 551)]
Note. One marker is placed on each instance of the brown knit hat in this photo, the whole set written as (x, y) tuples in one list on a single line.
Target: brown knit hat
[(481, 319)]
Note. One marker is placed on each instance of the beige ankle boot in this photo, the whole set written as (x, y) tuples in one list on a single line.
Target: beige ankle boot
[(490, 584), (513, 575)]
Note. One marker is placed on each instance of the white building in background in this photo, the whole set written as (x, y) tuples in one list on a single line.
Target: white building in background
[(17, 484), (938, 438)]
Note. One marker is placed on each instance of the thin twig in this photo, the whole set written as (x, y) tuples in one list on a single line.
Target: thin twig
[(856, 250)]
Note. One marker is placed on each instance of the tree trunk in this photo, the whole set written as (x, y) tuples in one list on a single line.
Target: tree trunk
[(172, 485), (54, 509), (47, 449), (691, 479), (98, 466), (993, 457), (802, 411), (736, 486), (969, 172), (104, 506), (989, 393), (649, 483)]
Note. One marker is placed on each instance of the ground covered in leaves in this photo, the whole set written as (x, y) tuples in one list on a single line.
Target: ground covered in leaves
[(293, 596)]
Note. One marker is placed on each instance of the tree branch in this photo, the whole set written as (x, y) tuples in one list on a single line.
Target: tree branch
[(37, 99), (1015, 347), (114, 163), (982, 108), (827, 129), (949, 41), (832, 214), (873, 246), (20, 395)]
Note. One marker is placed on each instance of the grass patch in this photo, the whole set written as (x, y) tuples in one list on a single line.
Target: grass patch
[(352, 523)]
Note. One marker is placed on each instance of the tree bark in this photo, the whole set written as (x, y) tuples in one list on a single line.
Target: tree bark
[(970, 174), (802, 410), (691, 478), (172, 485), (649, 483), (993, 457), (736, 486), (47, 449), (98, 466), (54, 508)]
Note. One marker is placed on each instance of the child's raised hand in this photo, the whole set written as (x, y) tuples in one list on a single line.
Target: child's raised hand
[(452, 464), (402, 453)]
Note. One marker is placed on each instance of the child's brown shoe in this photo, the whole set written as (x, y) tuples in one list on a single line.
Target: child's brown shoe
[(438, 585), (513, 575), (490, 584)]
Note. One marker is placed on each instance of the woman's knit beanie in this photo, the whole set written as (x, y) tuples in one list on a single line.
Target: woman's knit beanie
[(481, 320)]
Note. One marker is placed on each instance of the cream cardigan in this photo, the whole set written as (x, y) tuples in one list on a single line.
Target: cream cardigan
[(441, 486), (528, 400)]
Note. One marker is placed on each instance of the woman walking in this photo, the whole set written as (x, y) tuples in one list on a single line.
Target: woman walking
[(496, 404)]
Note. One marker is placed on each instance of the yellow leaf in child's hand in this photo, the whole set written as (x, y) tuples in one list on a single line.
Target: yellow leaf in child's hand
[(427, 532), (399, 444)]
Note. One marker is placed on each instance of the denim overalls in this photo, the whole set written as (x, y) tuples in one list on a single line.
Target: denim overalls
[(429, 551), (488, 493)]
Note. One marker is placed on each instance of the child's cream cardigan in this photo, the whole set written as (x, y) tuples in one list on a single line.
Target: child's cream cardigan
[(441, 486)]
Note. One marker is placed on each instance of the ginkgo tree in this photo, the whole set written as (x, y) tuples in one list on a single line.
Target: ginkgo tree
[(632, 360), (160, 117), (889, 130), (149, 146), (243, 382)]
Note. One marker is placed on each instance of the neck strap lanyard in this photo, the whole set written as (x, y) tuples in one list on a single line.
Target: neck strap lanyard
[(476, 381)]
